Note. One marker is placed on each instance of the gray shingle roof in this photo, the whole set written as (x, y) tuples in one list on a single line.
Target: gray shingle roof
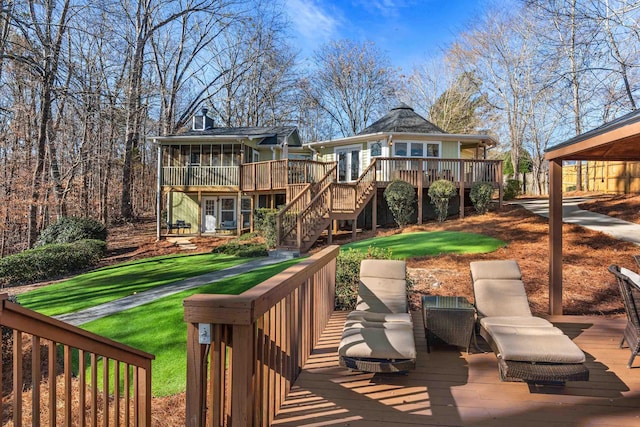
[(402, 119), (269, 135)]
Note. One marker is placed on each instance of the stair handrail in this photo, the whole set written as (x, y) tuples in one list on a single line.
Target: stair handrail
[(304, 215), (284, 228)]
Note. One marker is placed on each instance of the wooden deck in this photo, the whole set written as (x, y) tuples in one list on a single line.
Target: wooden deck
[(452, 388)]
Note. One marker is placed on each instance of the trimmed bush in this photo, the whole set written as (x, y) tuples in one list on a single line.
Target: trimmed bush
[(480, 195), (348, 274), (70, 229), (243, 250), (440, 192), (50, 261), (264, 221), (401, 199), (512, 190)]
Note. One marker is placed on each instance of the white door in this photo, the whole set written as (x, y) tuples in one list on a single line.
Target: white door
[(348, 159), (209, 214)]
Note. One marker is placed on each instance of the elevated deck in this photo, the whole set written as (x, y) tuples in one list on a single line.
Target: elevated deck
[(453, 388)]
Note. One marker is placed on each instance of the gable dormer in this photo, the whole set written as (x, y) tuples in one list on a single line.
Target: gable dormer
[(202, 121)]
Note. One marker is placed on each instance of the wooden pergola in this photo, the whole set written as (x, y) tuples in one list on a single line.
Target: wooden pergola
[(618, 140)]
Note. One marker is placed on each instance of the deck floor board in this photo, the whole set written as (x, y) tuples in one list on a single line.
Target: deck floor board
[(452, 388)]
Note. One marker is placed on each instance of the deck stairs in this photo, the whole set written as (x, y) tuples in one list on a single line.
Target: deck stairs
[(313, 210)]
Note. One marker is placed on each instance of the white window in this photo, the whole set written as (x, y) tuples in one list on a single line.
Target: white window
[(375, 149), (227, 209), (245, 210), (400, 149), (416, 149)]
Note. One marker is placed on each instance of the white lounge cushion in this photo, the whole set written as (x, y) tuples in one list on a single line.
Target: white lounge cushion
[(537, 348), (515, 321), (379, 317), (501, 298), (633, 276), (382, 287), (495, 269), (368, 324), (523, 330), (378, 343)]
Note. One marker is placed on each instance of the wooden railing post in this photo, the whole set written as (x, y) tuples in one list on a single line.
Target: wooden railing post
[(278, 230), (196, 378), (242, 374)]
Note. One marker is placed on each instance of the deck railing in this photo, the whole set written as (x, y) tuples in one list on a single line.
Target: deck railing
[(212, 176), (423, 172), (76, 364), (277, 174), (288, 220), (245, 351)]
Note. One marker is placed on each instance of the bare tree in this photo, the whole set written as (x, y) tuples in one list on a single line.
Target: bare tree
[(351, 83), (147, 17), (501, 51)]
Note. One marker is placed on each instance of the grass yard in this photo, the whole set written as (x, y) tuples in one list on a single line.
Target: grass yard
[(118, 281), (159, 327), (420, 244)]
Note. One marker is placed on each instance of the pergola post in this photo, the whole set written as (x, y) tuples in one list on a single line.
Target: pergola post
[(555, 237)]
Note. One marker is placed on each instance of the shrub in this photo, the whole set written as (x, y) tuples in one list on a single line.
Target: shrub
[(244, 250), (348, 274), (401, 199), (71, 229), (264, 221), (50, 261), (512, 190), (440, 192), (480, 194)]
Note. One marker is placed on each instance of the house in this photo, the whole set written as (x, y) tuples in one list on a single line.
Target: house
[(404, 145), (211, 179), (201, 171)]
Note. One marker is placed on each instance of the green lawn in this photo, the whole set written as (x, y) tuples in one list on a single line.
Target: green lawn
[(159, 327), (425, 243), (111, 283)]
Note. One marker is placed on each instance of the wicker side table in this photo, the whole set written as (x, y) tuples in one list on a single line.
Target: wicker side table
[(448, 319)]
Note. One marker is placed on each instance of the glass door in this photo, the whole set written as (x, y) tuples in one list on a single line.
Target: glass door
[(348, 159), (209, 214)]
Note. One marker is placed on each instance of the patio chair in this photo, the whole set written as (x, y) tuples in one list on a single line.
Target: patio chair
[(378, 334), (528, 348), (629, 284)]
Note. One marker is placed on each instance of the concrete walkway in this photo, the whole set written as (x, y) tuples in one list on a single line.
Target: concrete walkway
[(572, 214), (131, 301)]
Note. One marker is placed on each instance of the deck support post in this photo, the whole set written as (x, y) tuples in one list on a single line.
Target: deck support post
[(461, 185), (253, 209), (374, 210), (555, 237), (420, 185), (199, 213), (239, 221)]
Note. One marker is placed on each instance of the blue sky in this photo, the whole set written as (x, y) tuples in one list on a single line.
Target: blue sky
[(407, 30)]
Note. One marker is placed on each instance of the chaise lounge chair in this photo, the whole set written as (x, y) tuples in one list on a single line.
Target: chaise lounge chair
[(528, 348), (378, 334), (629, 283)]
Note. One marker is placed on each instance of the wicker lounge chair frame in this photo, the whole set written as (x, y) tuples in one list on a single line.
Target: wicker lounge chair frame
[(631, 298), (377, 365), (530, 372), (538, 373)]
